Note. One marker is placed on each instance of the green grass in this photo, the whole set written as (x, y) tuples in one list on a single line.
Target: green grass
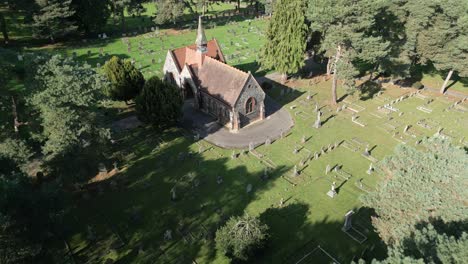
[(308, 219), (241, 49)]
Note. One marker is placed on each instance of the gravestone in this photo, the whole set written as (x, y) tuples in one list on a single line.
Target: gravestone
[(251, 146), (173, 194), (318, 123), (219, 179), (366, 151), (248, 189), (281, 203), (295, 172), (295, 150), (303, 139), (348, 221), (370, 170), (316, 155), (168, 235), (332, 193), (267, 142), (327, 169)]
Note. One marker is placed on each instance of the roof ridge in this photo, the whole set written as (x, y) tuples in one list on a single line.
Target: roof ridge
[(232, 67)]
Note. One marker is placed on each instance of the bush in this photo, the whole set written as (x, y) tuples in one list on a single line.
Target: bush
[(159, 102), (241, 237), (417, 85), (127, 81)]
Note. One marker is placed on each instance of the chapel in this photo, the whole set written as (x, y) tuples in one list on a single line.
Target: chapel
[(200, 70)]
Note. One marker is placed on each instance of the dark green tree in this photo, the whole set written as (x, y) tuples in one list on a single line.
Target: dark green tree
[(3, 28), (159, 102), (14, 155), (127, 81), (429, 245), (91, 16), (346, 30), (28, 213), (419, 185), (286, 38), (65, 95), (440, 35), (240, 237), (118, 8), (168, 11), (53, 19)]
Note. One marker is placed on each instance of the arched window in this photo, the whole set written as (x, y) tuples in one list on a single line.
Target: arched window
[(250, 105)]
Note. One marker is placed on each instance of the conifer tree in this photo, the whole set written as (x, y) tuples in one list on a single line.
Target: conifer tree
[(127, 81), (346, 28), (53, 19), (286, 38), (420, 185), (159, 103)]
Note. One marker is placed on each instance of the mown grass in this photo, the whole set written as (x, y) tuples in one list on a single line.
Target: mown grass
[(141, 210)]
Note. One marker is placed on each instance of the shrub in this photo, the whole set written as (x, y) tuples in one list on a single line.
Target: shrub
[(159, 102), (241, 237), (127, 81)]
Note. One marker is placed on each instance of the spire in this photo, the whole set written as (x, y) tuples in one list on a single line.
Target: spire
[(201, 37)]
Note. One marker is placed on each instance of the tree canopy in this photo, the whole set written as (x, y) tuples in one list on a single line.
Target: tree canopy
[(65, 95), (127, 81), (159, 102), (286, 38), (241, 236), (53, 19), (420, 185)]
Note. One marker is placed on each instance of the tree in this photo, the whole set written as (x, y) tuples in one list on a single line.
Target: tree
[(429, 245), (286, 38), (3, 28), (442, 37), (65, 96), (159, 102), (136, 7), (14, 155), (53, 20), (118, 8), (91, 16), (127, 81), (269, 6), (346, 30), (168, 11), (28, 213), (241, 236), (419, 185)]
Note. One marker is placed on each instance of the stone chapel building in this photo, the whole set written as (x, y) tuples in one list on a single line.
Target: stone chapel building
[(200, 71)]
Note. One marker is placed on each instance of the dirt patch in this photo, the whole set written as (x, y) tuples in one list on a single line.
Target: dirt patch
[(172, 32)]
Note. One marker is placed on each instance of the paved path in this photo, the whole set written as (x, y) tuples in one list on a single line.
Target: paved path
[(277, 120)]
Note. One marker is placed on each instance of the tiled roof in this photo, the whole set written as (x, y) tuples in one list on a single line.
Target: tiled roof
[(186, 55), (214, 76), (221, 80)]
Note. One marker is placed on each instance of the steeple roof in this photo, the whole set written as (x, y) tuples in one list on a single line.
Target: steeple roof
[(201, 37)]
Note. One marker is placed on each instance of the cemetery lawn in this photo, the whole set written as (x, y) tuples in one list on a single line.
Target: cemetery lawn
[(127, 215), (240, 40)]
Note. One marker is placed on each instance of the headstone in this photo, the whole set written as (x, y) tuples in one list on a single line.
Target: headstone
[(20, 57), (370, 170), (168, 235), (173, 194), (406, 128), (268, 142), (295, 150), (295, 172), (233, 155), (366, 151), (251, 146), (303, 139), (348, 221), (219, 179), (332, 193), (316, 155), (281, 203), (327, 169), (318, 123), (248, 189)]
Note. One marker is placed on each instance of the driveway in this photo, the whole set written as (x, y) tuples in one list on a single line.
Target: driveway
[(277, 120)]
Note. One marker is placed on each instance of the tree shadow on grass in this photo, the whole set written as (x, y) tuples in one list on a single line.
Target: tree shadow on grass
[(144, 188), (368, 89)]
